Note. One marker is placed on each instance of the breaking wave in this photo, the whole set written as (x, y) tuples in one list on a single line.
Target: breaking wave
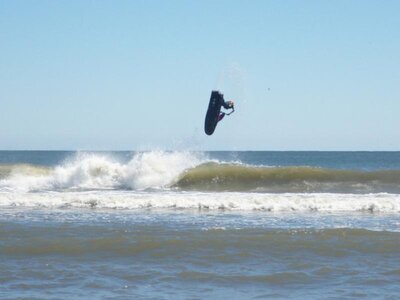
[(149, 170), (185, 171)]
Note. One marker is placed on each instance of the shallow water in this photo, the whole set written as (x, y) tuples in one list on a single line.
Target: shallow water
[(191, 254)]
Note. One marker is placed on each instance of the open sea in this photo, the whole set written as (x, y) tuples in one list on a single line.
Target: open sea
[(199, 225)]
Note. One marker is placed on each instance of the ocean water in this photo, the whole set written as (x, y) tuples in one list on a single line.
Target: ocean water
[(199, 225)]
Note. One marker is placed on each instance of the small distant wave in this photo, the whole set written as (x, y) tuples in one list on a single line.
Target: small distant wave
[(341, 242)]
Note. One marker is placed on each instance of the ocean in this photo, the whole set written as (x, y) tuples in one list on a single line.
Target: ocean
[(199, 225)]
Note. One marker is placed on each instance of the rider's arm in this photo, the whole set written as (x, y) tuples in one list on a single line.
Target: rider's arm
[(227, 105)]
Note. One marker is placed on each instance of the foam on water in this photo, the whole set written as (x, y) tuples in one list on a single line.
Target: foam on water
[(388, 203)]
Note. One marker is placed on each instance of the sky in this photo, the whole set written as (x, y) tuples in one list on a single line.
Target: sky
[(137, 75)]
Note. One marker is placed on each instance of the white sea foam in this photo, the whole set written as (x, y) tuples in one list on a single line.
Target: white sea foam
[(94, 171), (388, 203)]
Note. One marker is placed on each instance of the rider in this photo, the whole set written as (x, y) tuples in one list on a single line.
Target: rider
[(226, 105)]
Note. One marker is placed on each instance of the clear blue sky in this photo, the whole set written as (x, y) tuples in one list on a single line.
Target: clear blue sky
[(136, 75)]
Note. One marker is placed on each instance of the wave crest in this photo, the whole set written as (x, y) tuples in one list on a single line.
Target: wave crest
[(241, 178)]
